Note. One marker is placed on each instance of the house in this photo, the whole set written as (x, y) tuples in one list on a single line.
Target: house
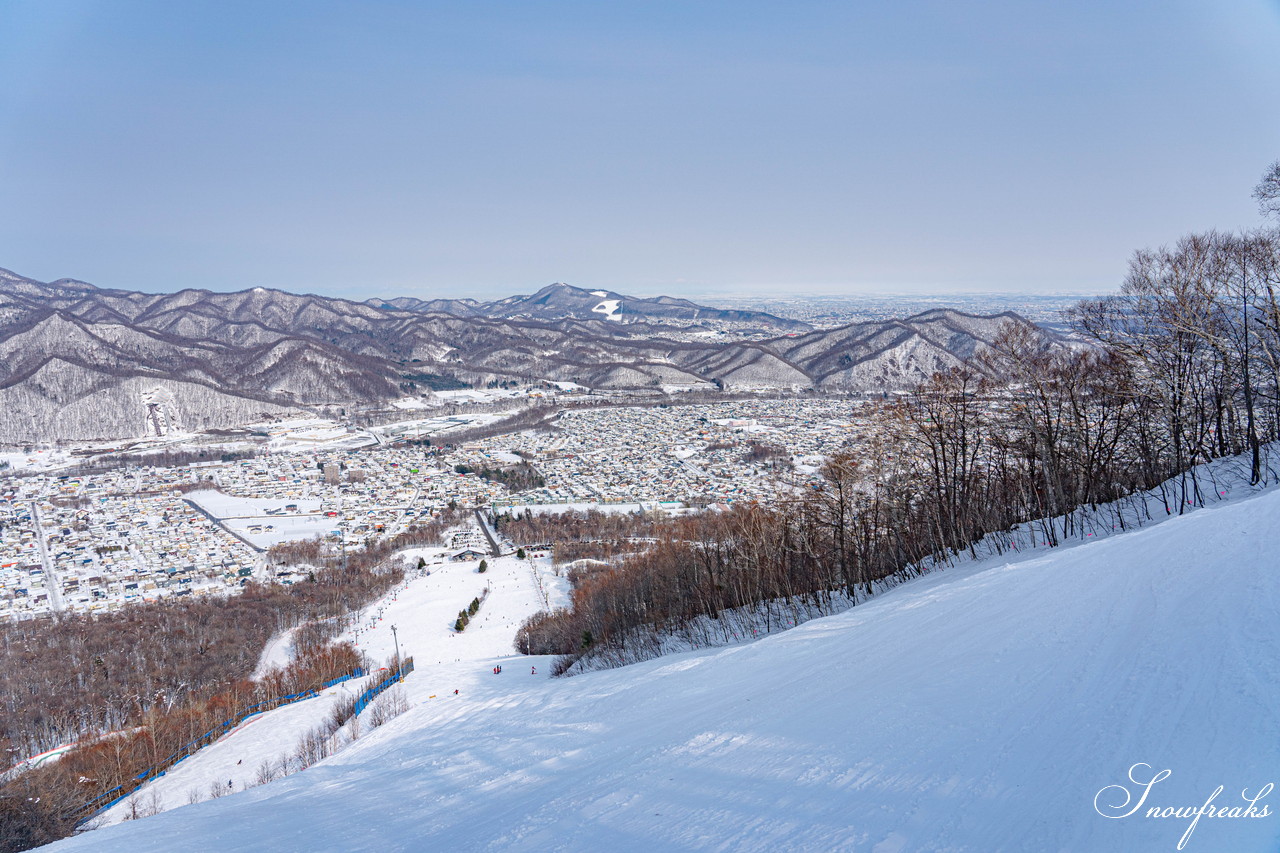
[(466, 554)]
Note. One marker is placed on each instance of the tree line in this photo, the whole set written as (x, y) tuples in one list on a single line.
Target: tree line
[(584, 534), (47, 802)]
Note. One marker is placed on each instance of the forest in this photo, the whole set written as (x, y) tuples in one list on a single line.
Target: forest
[(520, 477)]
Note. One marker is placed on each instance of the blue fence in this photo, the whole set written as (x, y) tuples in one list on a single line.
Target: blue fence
[(392, 677), (107, 799)]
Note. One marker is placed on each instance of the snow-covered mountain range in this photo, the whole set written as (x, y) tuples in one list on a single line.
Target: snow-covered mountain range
[(78, 362)]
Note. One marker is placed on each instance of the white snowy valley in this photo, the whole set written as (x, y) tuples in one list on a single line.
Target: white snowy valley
[(1027, 704)]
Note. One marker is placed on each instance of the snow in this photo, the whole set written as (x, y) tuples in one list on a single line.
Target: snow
[(438, 424), (988, 707), (307, 434), (222, 505), (424, 614), (40, 460), (281, 426), (277, 653), (463, 394), (609, 308), (247, 516), (273, 529), (409, 403)]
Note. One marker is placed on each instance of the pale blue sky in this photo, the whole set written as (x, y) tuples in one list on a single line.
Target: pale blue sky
[(693, 148)]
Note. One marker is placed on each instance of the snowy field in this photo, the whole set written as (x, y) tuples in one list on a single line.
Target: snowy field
[(283, 528), (246, 517), (36, 460), (221, 505), (1003, 706), (424, 427)]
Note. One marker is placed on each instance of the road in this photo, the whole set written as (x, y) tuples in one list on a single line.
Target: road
[(53, 583), (488, 534)]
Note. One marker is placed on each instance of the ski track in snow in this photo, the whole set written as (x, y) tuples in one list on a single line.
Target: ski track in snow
[(980, 708)]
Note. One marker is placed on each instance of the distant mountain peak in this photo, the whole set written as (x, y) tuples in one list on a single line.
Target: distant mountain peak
[(562, 301)]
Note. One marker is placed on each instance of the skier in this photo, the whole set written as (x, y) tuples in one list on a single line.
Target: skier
[(533, 670)]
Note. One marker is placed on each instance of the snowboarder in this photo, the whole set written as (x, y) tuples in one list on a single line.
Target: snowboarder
[(533, 670)]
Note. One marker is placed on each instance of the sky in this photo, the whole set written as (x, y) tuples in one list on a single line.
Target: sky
[(690, 148)]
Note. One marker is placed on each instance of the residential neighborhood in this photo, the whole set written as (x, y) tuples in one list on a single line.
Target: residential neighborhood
[(98, 541)]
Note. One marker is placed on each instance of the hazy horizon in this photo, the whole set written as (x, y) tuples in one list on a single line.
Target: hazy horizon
[(710, 296), (713, 150)]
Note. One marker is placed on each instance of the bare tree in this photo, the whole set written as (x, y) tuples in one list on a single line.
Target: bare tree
[(1267, 192), (266, 771)]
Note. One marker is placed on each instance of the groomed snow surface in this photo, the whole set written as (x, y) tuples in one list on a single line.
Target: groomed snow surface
[(983, 708)]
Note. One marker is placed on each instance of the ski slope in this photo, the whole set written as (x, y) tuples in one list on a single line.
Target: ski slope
[(993, 707), (423, 609)]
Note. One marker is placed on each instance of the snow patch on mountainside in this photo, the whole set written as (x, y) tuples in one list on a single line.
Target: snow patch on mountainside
[(609, 308)]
